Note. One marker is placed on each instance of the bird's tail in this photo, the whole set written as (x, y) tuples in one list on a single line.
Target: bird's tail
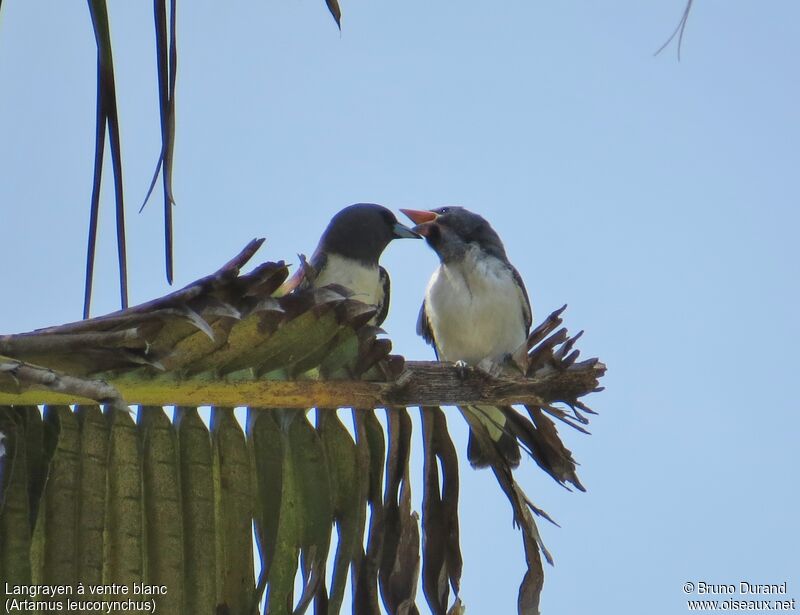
[(509, 431), (493, 419)]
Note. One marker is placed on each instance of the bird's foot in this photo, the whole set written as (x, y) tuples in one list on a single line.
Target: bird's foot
[(462, 369)]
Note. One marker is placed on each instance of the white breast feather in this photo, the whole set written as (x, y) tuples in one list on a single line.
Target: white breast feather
[(363, 281), (475, 310)]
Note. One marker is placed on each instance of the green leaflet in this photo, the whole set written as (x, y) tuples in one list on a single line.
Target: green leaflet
[(305, 516), (37, 460), (46, 440), (341, 356), (233, 505), (189, 351), (15, 529), (267, 452), (299, 340), (197, 504), (308, 469), (124, 545), (349, 497), (61, 495), (94, 432), (246, 354), (198, 353), (163, 515)]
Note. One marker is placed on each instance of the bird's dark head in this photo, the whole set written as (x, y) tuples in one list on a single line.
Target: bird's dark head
[(362, 232), (451, 230)]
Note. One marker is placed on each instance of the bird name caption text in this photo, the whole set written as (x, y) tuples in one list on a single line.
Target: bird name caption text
[(83, 597), (739, 596)]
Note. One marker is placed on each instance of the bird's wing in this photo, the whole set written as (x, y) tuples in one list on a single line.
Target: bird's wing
[(424, 328), (527, 313), (384, 295)]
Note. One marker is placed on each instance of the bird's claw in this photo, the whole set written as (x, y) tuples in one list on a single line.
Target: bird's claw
[(462, 369)]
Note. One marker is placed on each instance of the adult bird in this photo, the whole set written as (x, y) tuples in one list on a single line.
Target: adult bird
[(348, 253), (475, 309)]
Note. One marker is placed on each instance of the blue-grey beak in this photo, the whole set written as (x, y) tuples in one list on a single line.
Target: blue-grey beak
[(401, 231)]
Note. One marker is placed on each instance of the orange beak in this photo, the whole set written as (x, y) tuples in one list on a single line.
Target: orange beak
[(418, 216)]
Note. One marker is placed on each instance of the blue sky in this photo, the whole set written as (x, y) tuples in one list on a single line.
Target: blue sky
[(658, 199)]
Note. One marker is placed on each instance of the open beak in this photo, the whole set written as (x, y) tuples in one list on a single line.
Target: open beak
[(401, 231), (425, 220), (420, 217)]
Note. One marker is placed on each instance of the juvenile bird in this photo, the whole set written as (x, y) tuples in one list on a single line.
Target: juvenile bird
[(348, 254), (475, 308)]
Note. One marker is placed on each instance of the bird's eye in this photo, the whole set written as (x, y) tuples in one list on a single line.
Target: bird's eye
[(442, 210)]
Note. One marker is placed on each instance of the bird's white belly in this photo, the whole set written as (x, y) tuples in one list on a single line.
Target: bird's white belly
[(475, 311), (363, 281)]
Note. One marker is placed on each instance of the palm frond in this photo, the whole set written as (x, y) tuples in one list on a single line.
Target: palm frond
[(89, 495)]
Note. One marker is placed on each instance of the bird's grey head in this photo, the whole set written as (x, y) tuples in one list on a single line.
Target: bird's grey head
[(362, 232), (451, 230)]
